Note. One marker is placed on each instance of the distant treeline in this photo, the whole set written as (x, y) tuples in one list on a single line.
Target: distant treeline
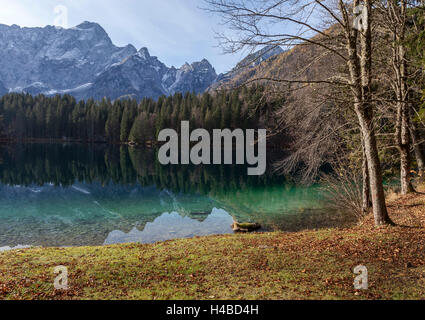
[(23, 116)]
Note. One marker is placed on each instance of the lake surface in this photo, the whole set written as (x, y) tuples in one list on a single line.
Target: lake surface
[(73, 195)]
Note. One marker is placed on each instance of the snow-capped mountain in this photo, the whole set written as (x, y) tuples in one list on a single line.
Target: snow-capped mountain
[(84, 62), (193, 78), (137, 76), (142, 75), (54, 59)]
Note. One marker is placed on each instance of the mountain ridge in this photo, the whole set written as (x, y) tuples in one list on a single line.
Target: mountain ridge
[(83, 61), (246, 65), (80, 61)]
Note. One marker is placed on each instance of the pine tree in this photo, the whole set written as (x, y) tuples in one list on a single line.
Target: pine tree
[(126, 123)]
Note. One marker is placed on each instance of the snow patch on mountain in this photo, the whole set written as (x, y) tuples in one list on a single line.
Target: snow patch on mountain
[(84, 62)]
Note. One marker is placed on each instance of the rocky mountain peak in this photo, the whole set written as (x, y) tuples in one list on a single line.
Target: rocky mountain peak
[(88, 25), (93, 28), (195, 77), (204, 65), (84, 62), (144, 53)]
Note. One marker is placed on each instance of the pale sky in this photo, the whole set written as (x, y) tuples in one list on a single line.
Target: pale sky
[(176, 31)]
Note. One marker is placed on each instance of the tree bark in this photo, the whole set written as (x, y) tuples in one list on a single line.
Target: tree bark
[(360, 74), (405, 159), (379, 207), (417, 146), (365, 185), (403, 113), (402, 135)]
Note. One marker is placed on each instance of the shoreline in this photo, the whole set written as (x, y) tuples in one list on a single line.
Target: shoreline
[(314, 264), (147, 144)]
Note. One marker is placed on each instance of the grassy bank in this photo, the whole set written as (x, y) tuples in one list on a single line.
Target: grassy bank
[(302, 265)]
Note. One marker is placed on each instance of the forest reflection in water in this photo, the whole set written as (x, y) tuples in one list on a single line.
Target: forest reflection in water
[(74, 194)]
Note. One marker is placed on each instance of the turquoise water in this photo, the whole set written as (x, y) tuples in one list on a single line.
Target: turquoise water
[(72, 195)]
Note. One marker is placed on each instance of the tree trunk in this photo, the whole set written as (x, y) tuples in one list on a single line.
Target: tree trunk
[(379, 207), (403, 144), (405, 137), (366, 185), (417, 146), (403, 114), (360, 74), (406, 185), (365, 114)]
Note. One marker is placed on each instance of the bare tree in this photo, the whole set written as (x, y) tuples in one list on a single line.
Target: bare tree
[(394, 22), (344, 187), (348, 40)]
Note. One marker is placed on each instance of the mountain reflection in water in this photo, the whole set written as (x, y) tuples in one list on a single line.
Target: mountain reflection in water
[(172, 225)]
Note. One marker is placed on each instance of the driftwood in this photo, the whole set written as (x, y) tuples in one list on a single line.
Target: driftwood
[(244, 227)]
